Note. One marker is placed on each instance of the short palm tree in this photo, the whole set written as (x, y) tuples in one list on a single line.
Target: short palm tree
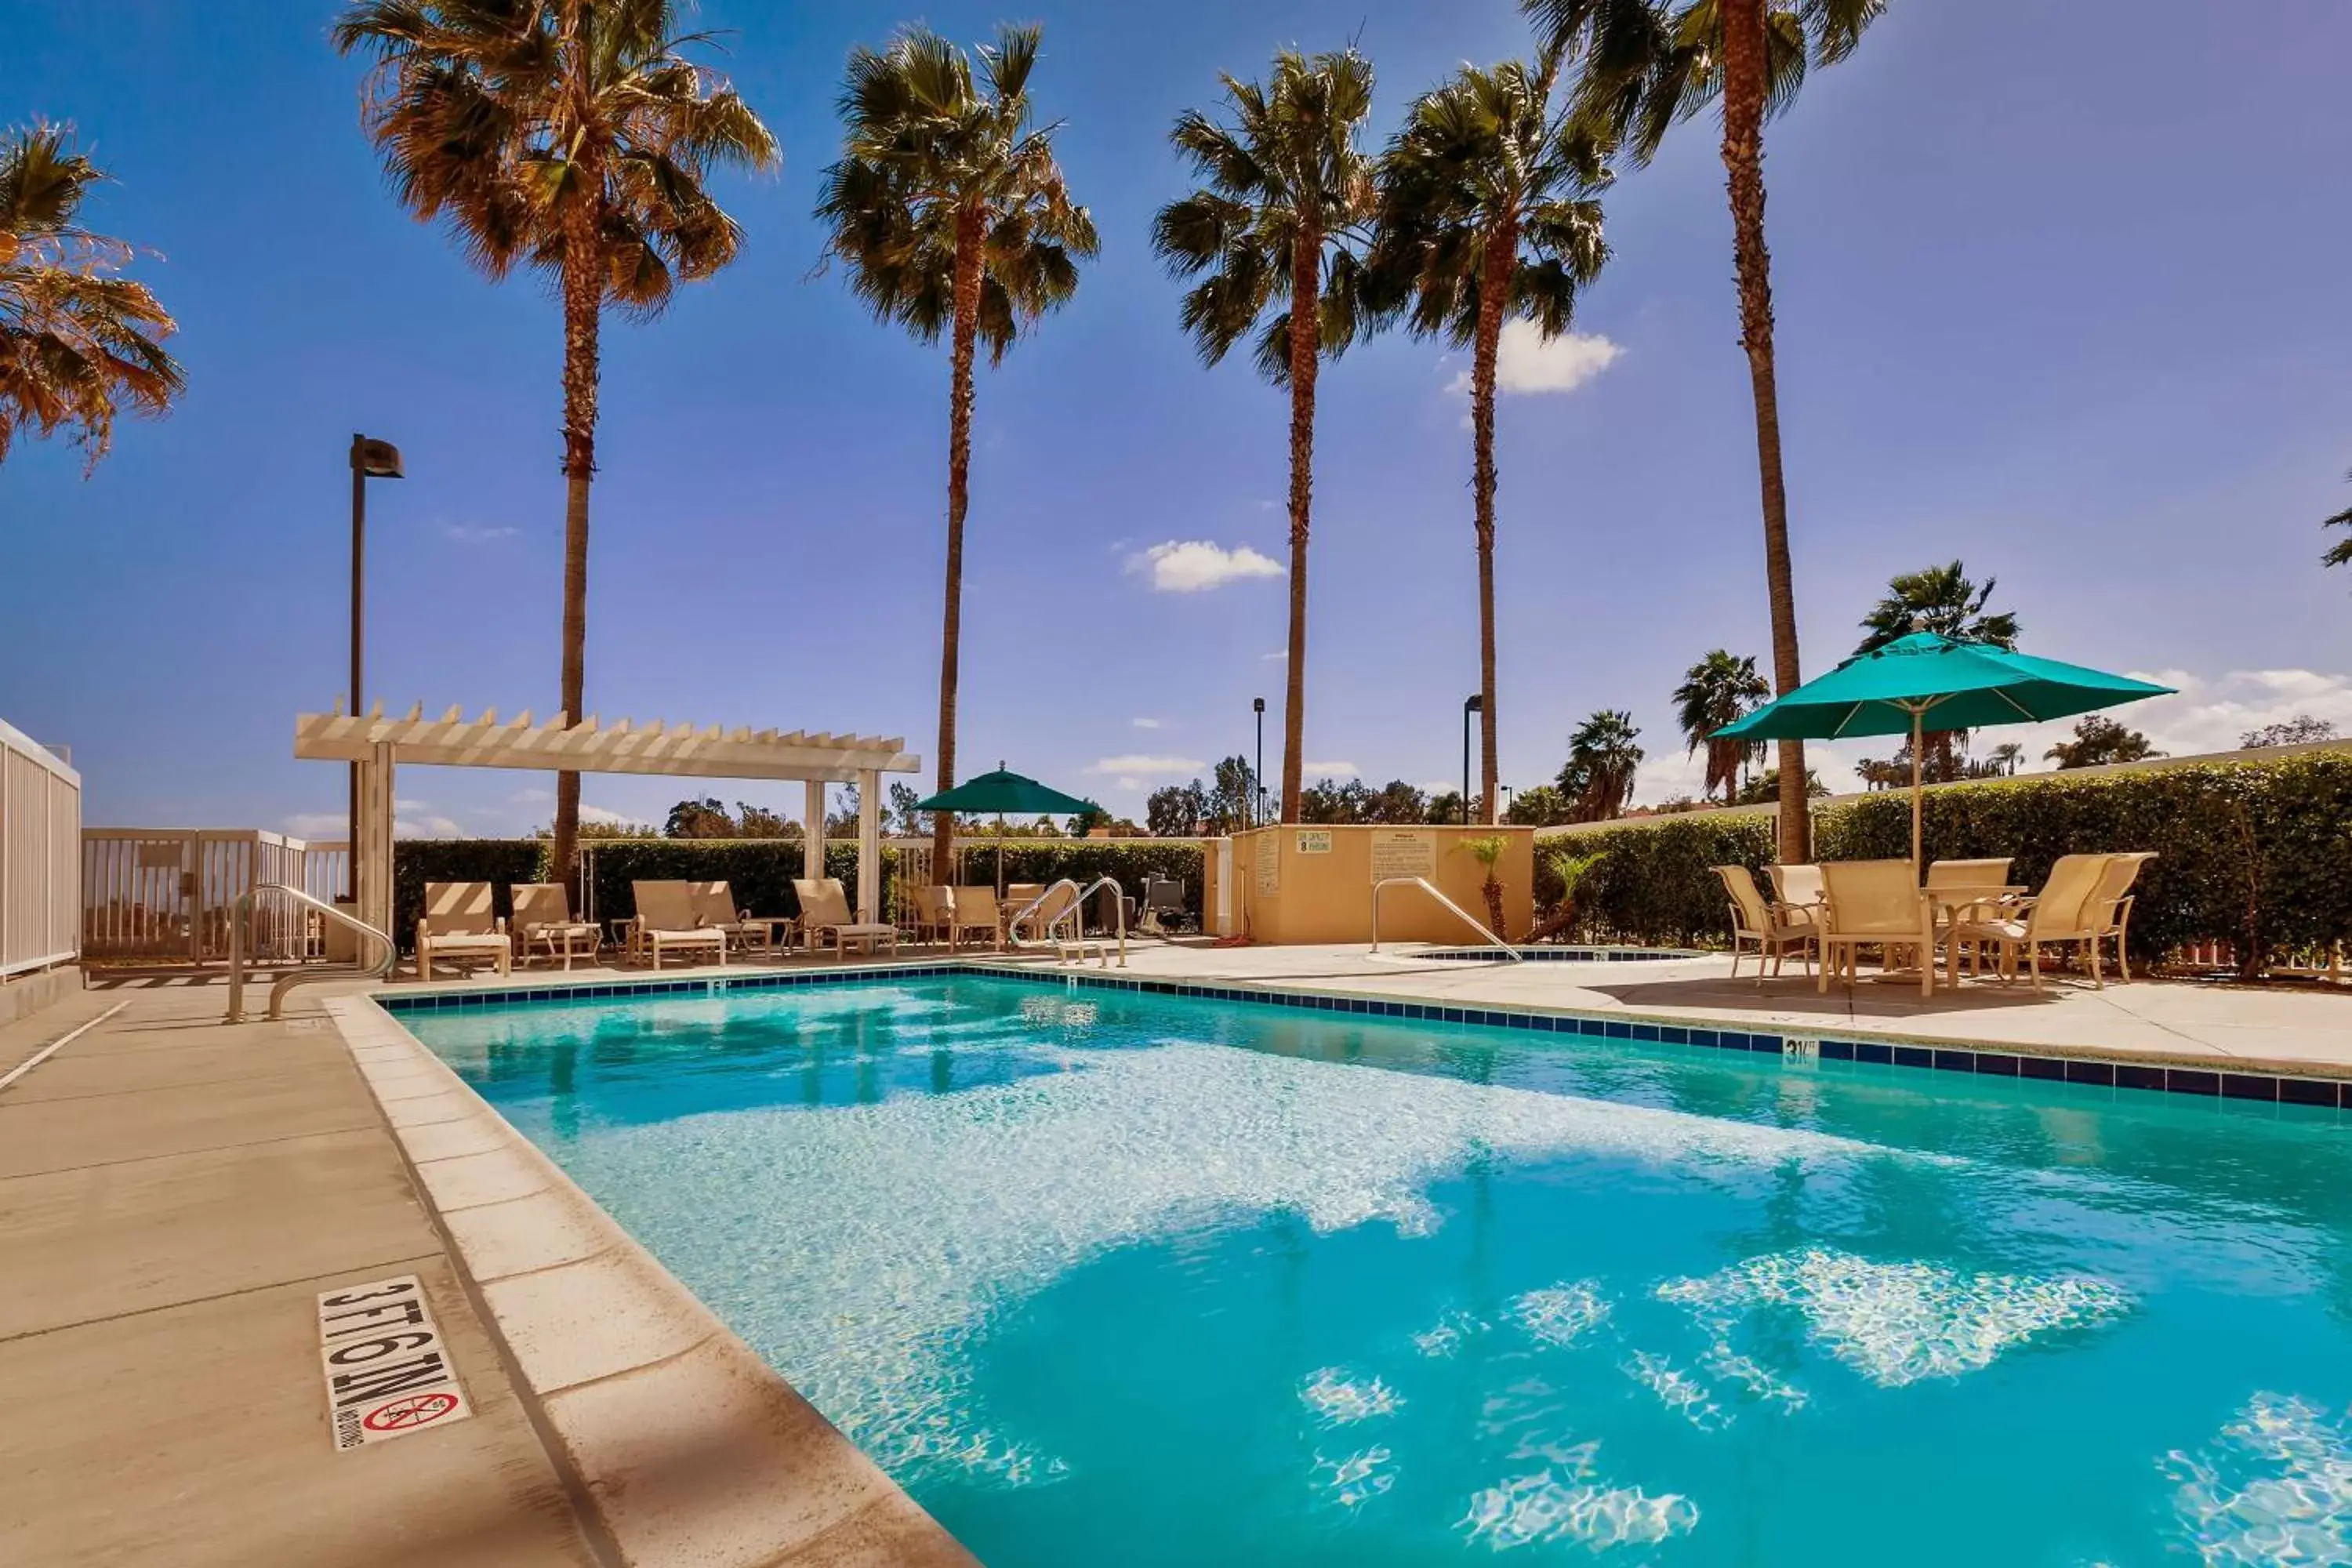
[(78, 342), (1277, 236), (1717, 690), (1601, 761), (578, 140), (950, 215), (1939, 599), (1488, 213), (1649, 64)]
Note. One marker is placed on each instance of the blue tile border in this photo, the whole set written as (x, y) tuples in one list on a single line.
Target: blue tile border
[(1559, 954), (2204, 1083)]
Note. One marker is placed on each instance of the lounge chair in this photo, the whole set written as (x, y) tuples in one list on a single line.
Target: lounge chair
[(714, 907), (1797, 889), (666, 918), (1872, 903), (543, 918), (458, 922), (2065, 911), (824, 916), (974, 910), (1775, 929), (933, 914), (1163, 905)]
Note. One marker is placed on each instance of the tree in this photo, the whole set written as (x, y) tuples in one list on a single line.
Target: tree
[(1445, 807), (2340, 553), (1276, 236), (1233, 795), (1087, 821), (1398, 802), (1488, 213), (2006, 756), (577, 139), (1942, 600), (842, 821), (951, 214), (2300, 731), (1718, 690), (2099, 739), (1764, 789), (1647, 67), (1602, 760), (1177, 811), (759, 822), (79, 341), (1489, 852), (902, 808), (705, 818), (1541, 806)]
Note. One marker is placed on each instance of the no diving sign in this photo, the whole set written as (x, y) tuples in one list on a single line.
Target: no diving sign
[(388, 1373)]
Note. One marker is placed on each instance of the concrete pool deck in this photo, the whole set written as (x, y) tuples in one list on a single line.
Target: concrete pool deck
[(174, 1193)]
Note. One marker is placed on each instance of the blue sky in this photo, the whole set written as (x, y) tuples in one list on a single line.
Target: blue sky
[(2061, 297)]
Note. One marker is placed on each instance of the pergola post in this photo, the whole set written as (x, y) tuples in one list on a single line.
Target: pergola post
[(372, 850), (813, 845), (869, 846)]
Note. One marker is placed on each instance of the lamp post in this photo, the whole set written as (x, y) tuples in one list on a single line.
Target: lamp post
[(1257, 770), (1474, 703), (371, 460), (1506, 800)]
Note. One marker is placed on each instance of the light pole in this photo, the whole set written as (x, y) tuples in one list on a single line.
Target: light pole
[(1258, 770), (371, 460), (1474, 703), (1506, 800)]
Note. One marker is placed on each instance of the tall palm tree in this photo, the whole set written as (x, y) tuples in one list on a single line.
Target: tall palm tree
[(1649, 64), (1277, 236), (1717, 690), (576, 139), (951, 214), (1489, 214), (2340, 553), (78, 342), (1939, 599), (1601, 761)]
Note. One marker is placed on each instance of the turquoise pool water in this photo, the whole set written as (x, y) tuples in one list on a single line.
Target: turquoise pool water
[(1111, 1278)]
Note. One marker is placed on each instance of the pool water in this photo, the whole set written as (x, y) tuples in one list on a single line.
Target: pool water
[(1104, 1277)]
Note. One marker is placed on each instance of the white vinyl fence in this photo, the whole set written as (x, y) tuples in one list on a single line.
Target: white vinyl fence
[(40, 856)]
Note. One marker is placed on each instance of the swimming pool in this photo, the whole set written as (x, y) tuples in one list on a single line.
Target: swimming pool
[(1106, 1276)]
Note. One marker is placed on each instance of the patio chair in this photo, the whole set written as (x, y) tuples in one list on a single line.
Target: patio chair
[(1055, 906), (1797, 889), (1871, 903), (543, 918), (714, 907), (2111, 905), (1164, 906), (974, 910), (2064, 911), (458, 923), (933, 914), (1773, 928), (824, 916), (666, 918)]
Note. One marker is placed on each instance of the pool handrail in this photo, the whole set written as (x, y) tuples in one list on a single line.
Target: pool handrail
[(240, 915), (1077, 915), (1512, 953)]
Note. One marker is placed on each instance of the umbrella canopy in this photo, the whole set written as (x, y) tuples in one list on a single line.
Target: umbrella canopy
[(1896, 689), (1007, 794)]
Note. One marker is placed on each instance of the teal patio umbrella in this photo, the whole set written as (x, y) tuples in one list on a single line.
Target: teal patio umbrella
[(1005, 794), (1891, 690)]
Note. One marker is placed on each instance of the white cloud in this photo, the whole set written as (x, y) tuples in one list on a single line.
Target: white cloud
[(1132, 786), (316, 824), (1192, 566), (1134, 767), (2209, 713), (1279, 656), (532, 796), (1331, 770), (1147, 723), (428, 826), (1525, 362), (469, 534), (597, 814)]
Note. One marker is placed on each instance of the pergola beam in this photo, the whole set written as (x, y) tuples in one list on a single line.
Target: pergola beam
[(679, 750)]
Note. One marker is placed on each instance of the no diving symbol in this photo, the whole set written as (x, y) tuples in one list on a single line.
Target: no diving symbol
[(416, 1410)]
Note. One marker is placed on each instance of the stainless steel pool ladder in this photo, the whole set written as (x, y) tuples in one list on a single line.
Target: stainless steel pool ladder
[(240, 917), (1512, 953), (1074, 945)]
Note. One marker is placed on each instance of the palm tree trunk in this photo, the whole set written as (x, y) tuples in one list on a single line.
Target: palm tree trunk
[(1743, 161), (583, 305), (960, 400), (1493, 291), (1305, 357)]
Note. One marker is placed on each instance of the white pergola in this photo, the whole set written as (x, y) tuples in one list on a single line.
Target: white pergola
[(376, 745)]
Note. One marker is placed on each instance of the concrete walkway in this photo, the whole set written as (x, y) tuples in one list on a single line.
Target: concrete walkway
[(173, 1195)]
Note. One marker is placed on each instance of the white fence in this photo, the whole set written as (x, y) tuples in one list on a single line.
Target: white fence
[(40, 862), (166, 894)]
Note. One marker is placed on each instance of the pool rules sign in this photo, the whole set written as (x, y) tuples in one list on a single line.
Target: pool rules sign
[(388, 1373)]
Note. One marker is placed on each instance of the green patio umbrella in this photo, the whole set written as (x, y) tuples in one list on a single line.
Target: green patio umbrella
[(1005, 794), (1966, 685)]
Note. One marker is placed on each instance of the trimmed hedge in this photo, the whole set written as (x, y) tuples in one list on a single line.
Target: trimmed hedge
[(759, 873), (2258, 854)]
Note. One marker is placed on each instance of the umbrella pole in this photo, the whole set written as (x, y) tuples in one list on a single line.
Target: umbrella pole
[(1916, 715), (1000, 857)]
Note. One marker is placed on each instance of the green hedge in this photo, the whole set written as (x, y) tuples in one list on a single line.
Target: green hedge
[(759, 873), (2255, 853)]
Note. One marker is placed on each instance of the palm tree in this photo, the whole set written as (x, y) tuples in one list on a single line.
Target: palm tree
[(1277, 236), (578, 140), (1602, 760), (951, 214), (1647, 65), (2339, 553), (1718, 690), (1487, 214), (78, 342), (1938, 599)]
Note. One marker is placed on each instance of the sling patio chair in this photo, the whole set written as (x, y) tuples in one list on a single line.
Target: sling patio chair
[(1874, 903), (1797, 889), (458, 923), (542, 919), (714, 906), (1775, 929), (930, 914), (667, 919), (973, 910), (2065, 911), (825, 917), (2111, 905)]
